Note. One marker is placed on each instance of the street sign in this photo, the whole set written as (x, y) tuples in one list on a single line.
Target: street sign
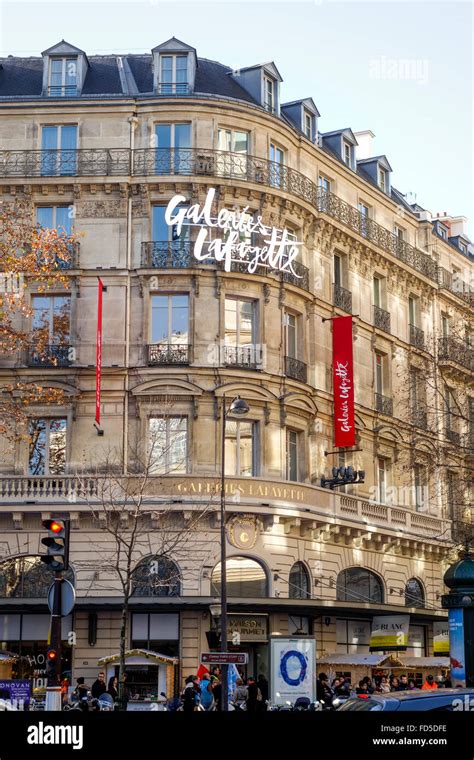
[(224, 658), (68, 597)]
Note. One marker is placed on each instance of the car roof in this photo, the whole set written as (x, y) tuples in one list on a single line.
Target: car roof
[(420, 693)]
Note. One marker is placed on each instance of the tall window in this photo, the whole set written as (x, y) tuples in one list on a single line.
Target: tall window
[(168, 445), (308, 125), (51, 318), (379, 373), (324, 183), (377, 292), (347, 153), (59, 154), (163, 233), (245, 577), (291, 335), (156, 576), (445, 325), (414, 594), (59, 218), (413, 311), (234, 147), (172, 155), (338, 273), (382, 179), (382, 478), (356, 584), (420, 480), (47, 448), (240, 449), (292, 455), (364, 211), (277, 159), (156, 632), (173, 74), (269, 94), (240, 330), (170, 319), (299, 582), (62, 77)]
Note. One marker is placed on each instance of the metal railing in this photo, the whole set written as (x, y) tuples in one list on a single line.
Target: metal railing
[(177, 254), (381, 319), (62, 91), (167, 353), (454, 350), (50, 356), (384, 404), (342, 298), (296, 369), (246, 357), (452, 282), (417, 337), (174, 88), (65, 163)]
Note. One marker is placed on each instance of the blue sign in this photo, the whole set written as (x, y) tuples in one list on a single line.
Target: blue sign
[(16, 689), (457, 647)]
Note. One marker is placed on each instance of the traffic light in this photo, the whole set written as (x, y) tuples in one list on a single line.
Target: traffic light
[(51, 663), (57, 542)]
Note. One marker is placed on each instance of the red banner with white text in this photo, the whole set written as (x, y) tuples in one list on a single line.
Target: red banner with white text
[(98, 355), (343, 382)]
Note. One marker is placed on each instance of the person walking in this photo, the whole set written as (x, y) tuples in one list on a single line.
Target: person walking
[(207, 697), (112, 687), (254, 695), (81, 689), (324, 692), (99, 687), (240, 694)]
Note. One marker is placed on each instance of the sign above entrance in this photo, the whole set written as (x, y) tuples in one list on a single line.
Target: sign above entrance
[(389, 633), (237, 227), (249, 627), (224, 658)]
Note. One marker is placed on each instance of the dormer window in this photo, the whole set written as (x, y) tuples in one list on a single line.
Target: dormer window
[(62, 77), (347, 153), (462, 247), (308, 125), (269, 94), (174, 75), (443, 231), (382, 179)]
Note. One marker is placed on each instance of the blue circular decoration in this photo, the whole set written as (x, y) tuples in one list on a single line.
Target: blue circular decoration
[(284, 667)]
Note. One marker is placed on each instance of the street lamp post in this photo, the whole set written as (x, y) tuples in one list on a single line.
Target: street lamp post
[(239, 408)]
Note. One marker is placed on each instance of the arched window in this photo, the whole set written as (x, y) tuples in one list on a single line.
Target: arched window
[(414, 594), (356, 584), (244, 578), (156, 576), (299, 582), (27, 578)]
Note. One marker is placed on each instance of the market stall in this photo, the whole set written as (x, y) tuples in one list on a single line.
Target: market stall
[(357, 666), (148, 674)]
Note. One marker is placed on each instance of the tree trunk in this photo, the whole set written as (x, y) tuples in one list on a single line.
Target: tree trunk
[(123, 641)]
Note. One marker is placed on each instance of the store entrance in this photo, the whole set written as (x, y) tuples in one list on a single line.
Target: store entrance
[(258, 659)]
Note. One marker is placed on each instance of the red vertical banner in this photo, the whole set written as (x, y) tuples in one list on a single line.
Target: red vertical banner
[(98, 355), (343, 382)]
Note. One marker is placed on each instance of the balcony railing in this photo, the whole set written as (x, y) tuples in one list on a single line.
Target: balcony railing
[(382, 319), (419, 418), (177, 254), (167, 353), (174, 88), (417, 337), (50, 356), (62, 91), (453, 282), (296, 369), (342, 298), (453, 436), (384, 404), (73, 163), (454, 350), (199, 162), (246, 357)]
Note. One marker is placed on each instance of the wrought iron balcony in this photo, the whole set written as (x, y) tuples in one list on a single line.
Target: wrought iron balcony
[(300, 278), (62, 91), (167, 353), (296, 369), (161, 254), (454, 284), (417, 337), (454, 350), (384, 404), (174, 88), (65, 163), (246, 357), (382, 319), (453, 436), (50, 356), (342, 298), (419, 418)]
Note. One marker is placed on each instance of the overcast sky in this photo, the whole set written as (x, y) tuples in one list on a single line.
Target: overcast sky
[(402, 69)]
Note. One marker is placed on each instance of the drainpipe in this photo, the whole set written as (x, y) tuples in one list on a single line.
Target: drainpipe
[(133, 121)]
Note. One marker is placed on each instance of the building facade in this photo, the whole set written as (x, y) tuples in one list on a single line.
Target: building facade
[(99, 146)]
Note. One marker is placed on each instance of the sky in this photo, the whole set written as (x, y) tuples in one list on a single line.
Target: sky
[(402, 69)]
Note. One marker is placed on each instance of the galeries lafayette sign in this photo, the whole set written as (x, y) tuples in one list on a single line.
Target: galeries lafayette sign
[(278, 252)]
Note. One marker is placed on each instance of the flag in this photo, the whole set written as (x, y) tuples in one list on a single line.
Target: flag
[(202, 670), (343, 375), (232, 676), (98, 361)]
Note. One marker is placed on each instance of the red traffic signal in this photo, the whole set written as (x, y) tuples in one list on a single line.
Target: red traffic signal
[(56, 526), (51, 655), (57, 542)]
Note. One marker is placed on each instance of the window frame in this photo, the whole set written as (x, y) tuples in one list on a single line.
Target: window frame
[(296, 447), (254, 304), (346, 146), (168, 468), (269, 103), (47, 448), (169, 296), (64, 63), (174, 84), (254, 433)]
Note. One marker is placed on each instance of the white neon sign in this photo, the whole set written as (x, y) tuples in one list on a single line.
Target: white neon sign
[(278, 252)]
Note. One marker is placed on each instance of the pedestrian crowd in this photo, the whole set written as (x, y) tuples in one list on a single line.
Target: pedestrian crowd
[(342, 687), (205, 693)]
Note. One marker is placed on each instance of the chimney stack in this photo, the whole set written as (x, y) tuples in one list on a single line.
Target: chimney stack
[(364, 146)]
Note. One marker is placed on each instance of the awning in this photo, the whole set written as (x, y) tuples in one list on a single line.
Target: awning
[(370, 660), (147, 654), (426, 662)]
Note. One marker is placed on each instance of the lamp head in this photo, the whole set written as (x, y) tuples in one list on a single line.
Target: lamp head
[(238, 407)]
